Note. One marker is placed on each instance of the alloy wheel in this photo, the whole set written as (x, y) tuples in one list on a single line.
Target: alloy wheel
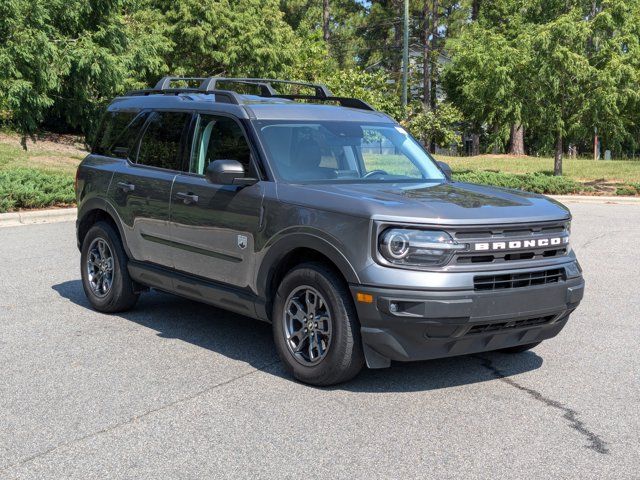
[(307, 325), (100, 267)]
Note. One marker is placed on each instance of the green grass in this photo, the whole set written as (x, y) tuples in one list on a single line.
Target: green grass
[(584, 176), (38, 178), (582, 170), (12, 157)]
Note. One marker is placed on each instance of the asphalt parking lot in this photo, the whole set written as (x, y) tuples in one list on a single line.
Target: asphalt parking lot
[(175, 389)]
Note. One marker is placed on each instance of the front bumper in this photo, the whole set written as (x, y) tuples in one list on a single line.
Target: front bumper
[(406, 325)]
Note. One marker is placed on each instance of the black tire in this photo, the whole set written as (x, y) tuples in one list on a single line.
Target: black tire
[(344, 357), (121, 295), (520, 348)]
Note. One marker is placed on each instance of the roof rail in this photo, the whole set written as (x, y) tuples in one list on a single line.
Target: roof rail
[(343, 101), (207, 85), (321, 90)]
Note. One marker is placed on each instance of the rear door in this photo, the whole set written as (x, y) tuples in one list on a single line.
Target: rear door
[(141, 186), (215, 225)]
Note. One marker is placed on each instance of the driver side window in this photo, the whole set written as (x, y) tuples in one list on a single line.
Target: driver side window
[(218, 138)]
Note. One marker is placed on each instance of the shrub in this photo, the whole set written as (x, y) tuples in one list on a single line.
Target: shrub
[(28, 188), (531, 182), (630, 189)]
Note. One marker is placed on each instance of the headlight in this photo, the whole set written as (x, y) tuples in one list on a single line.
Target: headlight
[(403, 246)]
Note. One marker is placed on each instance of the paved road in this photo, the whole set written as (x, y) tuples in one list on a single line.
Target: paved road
[(175, 389)]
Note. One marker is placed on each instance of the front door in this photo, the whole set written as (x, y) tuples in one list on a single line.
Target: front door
[(214, 226)]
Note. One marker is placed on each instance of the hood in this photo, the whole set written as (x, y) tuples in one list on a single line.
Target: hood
[(439, 203)]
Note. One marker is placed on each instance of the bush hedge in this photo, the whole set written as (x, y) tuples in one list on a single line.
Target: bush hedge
[(531, 182), (28, 188)]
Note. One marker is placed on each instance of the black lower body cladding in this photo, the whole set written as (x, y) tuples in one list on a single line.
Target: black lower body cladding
[(406, 325)]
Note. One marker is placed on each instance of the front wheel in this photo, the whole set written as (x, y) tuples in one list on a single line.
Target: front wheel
[(315, 326)]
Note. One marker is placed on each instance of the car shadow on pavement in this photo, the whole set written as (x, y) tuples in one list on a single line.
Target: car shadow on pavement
[(245, 339)]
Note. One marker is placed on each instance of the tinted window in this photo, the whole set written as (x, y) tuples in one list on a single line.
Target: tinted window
[(218, 138), (160, 145), (124, 144), (115, 126)]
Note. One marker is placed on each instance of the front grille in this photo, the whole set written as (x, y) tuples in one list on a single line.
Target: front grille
[(518, 280), (506, 233), (502, 326)]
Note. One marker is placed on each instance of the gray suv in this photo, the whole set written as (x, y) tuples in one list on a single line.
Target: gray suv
[(322, 216)]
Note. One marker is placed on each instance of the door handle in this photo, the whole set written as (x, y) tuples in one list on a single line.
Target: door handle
[(126, 187), (187, 198)]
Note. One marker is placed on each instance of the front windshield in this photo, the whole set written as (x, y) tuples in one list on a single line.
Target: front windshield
[(345, 152)]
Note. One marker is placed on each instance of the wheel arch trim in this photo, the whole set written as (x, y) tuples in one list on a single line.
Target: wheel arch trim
[(284, 246), (100, 204)]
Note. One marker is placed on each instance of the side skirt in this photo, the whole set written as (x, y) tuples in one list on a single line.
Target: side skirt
[(223, 296)]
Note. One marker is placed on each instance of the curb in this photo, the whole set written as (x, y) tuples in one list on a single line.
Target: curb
[(596, 199), (14, 219)]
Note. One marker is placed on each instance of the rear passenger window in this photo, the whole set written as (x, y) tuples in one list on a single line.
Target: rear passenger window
[(117, 132), (162, 140)]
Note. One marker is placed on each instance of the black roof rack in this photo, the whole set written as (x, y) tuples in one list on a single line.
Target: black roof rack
[(207, 85)]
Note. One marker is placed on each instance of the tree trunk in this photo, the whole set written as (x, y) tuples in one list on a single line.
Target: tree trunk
[(396, 65), (426, 56), (516, 144), (496, 148), (475, 144), (475, 10), (557, 163), (325, 20), (434, 53)]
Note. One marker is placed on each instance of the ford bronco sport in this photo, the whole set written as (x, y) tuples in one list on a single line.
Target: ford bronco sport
[(322, 216)]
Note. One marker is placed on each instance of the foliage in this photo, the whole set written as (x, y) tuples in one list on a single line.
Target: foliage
[(484, 80), (372, 87), (531, 182), (228, 37), (28, 188), (62, 60), (29, 63), (628, 189), (439, 125)]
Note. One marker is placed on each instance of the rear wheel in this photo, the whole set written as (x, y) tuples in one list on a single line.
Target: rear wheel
[(520, 348), (315, 326), (105, 277)]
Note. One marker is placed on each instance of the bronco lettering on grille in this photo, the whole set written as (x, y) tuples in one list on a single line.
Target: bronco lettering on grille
[(520, 244)]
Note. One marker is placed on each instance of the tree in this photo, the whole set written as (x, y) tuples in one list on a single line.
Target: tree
[(325, 20), (484, 80), (228, 37), (60, 60), (438, 125), (30, 63), (561, 79), (372, 87)]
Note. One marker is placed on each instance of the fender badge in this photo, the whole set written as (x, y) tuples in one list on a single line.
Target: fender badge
[(242, 241)]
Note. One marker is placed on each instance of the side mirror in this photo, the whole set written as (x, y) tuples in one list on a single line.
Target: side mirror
[(227, 172), (446, 169)]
